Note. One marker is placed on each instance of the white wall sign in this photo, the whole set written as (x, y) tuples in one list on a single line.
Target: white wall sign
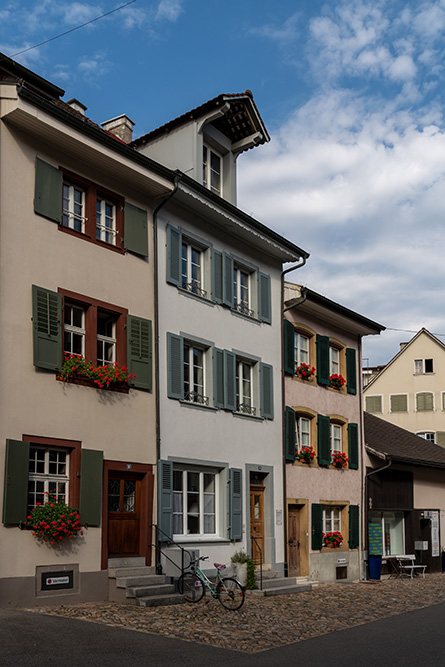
[(435, 546)]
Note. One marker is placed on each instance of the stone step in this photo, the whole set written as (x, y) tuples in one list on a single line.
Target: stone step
[(160, 600), (125, 582), (282, 590), (278, 581), (149, 591), (268, 574), (115, 572), (128, 561)]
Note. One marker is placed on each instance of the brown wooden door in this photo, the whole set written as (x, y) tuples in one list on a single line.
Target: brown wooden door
[(293, 542), (124, 490), (257, 521)]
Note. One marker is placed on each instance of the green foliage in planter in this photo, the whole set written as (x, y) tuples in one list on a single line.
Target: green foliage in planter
[(75, 366), (54, 522), (240, 557), (251, 583)]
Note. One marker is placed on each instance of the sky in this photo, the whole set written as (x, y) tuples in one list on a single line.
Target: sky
[(352, 95)]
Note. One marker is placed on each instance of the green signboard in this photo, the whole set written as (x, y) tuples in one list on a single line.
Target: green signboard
[(375, 539)]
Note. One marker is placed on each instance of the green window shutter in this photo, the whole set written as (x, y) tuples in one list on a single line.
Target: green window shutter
[(236, 504), (139, 351), (354, 526), (47, 328), (91, 475), (322, 359), (424, 401), (266, 380), (317, 526), (217, 276), (175, 366), (227, 280), (174, 250), (218, 378), (135, 230), (165, 499), (324, 440), (399, 403), (351, 370), (15, 492), (440, 438), (290, 426), (264, 298), (289, 337), (229, 380), (373, 404), (353, 446), (48, 191)]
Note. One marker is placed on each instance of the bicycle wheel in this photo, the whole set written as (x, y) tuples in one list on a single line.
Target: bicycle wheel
[(230, 593), (190, 586)]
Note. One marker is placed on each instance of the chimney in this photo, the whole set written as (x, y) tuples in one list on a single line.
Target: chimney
[(121, 126), (77, 106)]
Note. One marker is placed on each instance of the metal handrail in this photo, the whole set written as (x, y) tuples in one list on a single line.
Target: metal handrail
[(253, 539), (159, 552)]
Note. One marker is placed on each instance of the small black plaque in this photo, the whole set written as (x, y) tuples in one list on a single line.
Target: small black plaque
[(56, 581)]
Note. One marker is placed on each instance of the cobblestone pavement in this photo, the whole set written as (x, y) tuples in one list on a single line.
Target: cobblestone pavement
[(267, 622)]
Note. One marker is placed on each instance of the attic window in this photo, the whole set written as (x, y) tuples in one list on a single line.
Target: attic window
[(211, 170), (422, 366)]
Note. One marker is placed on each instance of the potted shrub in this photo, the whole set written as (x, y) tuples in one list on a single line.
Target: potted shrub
[(304, 371), (336, 381), (244, 569), (333, 539), (306, 454), (339, 459)]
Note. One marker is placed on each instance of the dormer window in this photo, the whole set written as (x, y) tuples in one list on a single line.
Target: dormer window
[(211, 170)]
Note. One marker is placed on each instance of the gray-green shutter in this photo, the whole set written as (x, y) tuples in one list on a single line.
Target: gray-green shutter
[(424, 401), (290, 433), (398, 403), (228, 298), (353, 446), (139, 351), (165, 500), (174, 251), (324, 440), (266, 381), (15, 492), (351, 370), (175, 366), (354, 526), (47, 328), (236, 504), (322, 359), (217, 276), (218, 378), (48, 191), (373, 404), (91, 475), (135, 230), (289, 338), (317, 526), (264, 298), (440, 438), (229, 380)]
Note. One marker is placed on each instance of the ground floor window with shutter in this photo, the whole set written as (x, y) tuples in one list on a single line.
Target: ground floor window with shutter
[(48, 475), (195, 502), (333, 517)]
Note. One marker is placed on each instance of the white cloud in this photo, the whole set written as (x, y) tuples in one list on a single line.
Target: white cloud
[(169, 10), (284, 33), (93, 66)]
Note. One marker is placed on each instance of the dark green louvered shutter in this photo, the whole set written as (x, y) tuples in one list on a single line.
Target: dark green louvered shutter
[(218, 378), (317, 526), (266, 380), (175, 366), (165, 499), (290, 426), (351, 370), (217, 276), (236, 504), (229, 380), (324, 440), (322, 359), (139, 351), (174, 250), (354, 526), (135, 230), (15, 492), (264, 298), (48, 191), (47, 328), (289, 338), (353, 446), (227, 280), (91, 475)]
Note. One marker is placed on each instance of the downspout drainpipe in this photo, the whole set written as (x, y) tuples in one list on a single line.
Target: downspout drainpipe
[(283, 403), (156, 310), (366, 500)]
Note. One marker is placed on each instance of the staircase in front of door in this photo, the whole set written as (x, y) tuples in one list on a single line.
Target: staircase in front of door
[(275, 584), (132, 582)]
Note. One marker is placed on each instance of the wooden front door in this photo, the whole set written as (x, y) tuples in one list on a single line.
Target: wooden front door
[(293, 542), (124, 491), (257, 522)]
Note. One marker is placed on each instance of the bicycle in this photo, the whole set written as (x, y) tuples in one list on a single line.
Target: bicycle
[(229, 591)]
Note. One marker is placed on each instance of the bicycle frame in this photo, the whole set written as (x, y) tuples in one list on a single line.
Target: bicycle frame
[(206, 581)]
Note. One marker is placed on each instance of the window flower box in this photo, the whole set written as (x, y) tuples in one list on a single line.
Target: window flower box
[(304, 371), (112, 376), (336, 381), (54, 522), (332, 540), (306, 454), (339, 459)]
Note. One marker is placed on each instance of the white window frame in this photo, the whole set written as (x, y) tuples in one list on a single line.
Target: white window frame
[(208, 171), (180, 507), (334, 360), (73, 330), (47, 479), (105, 232), (192, 280), (426, 435), (245, 396), (420, 366), (332, 518), (301, 354), (425, 392), (303, 432), (104, 340), (195, 391), (242, 290), (71, 218), (336, 437)]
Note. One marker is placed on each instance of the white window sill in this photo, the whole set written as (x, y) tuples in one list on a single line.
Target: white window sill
[(199, 406), (192, 539)]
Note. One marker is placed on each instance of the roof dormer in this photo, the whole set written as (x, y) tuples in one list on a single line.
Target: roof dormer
[(205, 142)]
